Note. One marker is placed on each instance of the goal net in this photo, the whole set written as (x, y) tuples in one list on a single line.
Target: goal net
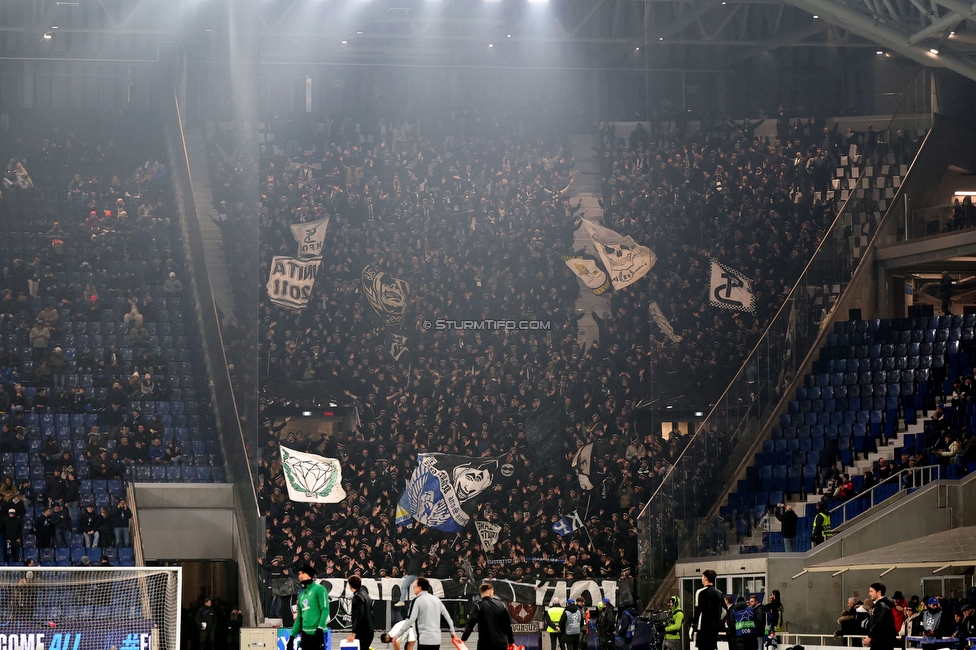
[(90, 608)]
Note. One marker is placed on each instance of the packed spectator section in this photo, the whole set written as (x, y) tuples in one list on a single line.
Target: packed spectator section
[(473, 211), (101, 381)]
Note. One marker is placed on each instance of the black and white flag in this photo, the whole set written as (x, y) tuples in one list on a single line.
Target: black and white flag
[(589, 272), (396, 345), (488, 532), (730, 289), (663, 323), (310, 237), (625, 260), (291, 280), (387, 295), (582, 461)]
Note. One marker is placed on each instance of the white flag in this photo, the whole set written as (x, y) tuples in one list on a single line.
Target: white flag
[(310, 237), (589, 272), (625, 260), (291, 280), (663, 323), (311, 478), (582, 462), (730, 289), (488, 533)]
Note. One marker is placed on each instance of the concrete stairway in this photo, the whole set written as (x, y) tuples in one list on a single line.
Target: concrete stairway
[(858, 467), (586, 188), (212, 237)]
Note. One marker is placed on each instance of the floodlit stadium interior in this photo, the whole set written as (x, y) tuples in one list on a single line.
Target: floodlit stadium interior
[(634, 303)]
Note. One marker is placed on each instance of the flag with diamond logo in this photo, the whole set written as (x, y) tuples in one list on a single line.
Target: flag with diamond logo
[(311, 478)]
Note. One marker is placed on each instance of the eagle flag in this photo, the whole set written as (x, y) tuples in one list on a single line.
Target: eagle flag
[(443, 490)]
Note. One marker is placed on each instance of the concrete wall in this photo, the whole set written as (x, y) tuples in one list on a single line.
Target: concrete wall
[(186, 521), (814, 601)]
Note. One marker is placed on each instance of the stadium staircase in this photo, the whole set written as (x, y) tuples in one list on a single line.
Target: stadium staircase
[(587, 187), (861, 403), (210, 235)]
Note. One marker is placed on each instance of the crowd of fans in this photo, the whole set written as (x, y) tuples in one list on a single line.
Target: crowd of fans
[(936, 617), (474, 211), (92, 252)]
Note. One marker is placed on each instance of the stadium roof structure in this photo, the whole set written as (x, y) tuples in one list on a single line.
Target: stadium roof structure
[(691, 35), (939, 551)]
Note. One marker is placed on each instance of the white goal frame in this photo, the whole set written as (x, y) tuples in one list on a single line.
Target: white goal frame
[(15, 573)]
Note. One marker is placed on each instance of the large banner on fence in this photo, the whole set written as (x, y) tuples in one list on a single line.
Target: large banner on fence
[(516, 592), (291, 280)]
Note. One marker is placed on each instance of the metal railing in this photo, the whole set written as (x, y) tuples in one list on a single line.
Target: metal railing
[(909, 478), (233, 441), (680, 518)]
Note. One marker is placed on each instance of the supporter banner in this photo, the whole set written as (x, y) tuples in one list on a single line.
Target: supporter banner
[(568, 524), (291, 280), (387, 295), (396, 345), (582, 461), (442, 487), (538, 593), (730, 289), (488, 532), (664, 324), (586, 269), (625, 260), (519, 560), (310, 237), (311, 478)]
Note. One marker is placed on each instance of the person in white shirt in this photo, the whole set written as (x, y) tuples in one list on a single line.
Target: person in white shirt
[(402, 636)]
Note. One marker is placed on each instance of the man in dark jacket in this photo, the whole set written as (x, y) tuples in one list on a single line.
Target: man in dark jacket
[(945, 293), (206, 624), (11, 527), (362, 613), (44, 529), (881, 627), (788, 520), (493, 620), (744, 625), (709, 616), (606, 624)]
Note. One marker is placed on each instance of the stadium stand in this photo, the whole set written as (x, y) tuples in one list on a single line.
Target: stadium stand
[(862, 401), (102, 383), (754, 203)]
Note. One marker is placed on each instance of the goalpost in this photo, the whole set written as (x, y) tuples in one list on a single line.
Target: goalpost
[(98, 608)]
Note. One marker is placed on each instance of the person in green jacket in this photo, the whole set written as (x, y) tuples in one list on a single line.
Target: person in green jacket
[(312, 617), (674, 625)]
